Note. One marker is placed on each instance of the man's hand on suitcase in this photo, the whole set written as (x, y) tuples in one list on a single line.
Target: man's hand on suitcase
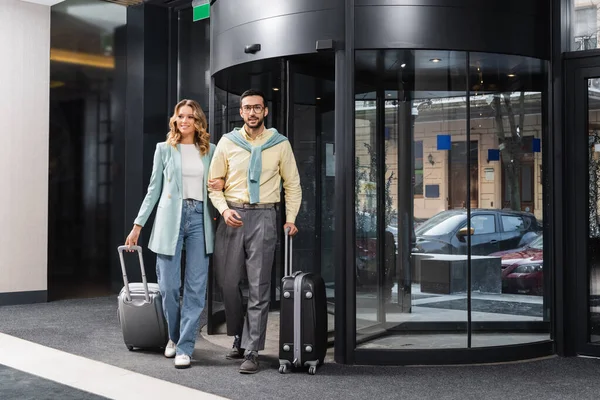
[(232, 218), (132, 238), (292, 227)]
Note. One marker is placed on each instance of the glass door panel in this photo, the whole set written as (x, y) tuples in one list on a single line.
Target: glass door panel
[(582, 234), (311, 118), (300, 97), (368, 271), (507, 266), (228, 87), (593, 259), (409, 109)]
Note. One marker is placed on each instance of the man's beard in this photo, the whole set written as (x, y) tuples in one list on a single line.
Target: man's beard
[(256, 124)]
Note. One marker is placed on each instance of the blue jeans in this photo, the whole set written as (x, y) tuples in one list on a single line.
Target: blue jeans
[(183, 322)]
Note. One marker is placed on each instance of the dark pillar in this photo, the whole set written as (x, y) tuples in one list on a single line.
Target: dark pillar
[(564, 282), (147, 112), (405, 190)]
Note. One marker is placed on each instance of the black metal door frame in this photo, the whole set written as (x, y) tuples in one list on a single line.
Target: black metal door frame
[(578, 67)]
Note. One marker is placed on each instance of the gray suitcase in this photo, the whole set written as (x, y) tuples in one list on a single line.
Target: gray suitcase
[(140, 310)]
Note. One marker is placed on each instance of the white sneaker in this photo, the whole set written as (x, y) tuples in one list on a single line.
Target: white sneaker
[(182, 361), (170, 349)]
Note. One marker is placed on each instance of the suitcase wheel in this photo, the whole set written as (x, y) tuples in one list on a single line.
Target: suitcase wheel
[(282, 369), (130, 348), (312, 370)]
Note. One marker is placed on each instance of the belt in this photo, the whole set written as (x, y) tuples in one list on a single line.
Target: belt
[(247, 206)]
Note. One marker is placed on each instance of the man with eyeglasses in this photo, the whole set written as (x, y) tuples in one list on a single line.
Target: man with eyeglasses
[(254, 162)]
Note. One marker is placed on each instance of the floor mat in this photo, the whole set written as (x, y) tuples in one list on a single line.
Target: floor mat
[(490, 306)]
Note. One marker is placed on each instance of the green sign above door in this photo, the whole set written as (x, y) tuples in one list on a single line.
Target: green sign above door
[(201, 11)]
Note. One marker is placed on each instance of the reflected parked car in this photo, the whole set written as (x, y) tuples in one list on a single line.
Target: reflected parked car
[(522, 268), (492, 230)]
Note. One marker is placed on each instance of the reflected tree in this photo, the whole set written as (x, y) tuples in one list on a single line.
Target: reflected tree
[(585, 25), (366, 179), (511, 142)]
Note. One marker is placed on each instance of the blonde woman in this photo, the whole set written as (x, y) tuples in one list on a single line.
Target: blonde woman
[(179, 185)]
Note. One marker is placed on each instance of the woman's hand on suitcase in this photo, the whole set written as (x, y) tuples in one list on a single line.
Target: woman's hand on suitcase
[(132, 238)]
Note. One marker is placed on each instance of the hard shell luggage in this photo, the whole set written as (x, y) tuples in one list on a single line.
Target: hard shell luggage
[(303, 318), (140, 310)]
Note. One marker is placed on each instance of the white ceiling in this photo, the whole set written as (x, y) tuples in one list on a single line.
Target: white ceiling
[(104, 15), (44, 2)]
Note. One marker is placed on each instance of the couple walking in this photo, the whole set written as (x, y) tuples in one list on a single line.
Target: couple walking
[(242, 176)]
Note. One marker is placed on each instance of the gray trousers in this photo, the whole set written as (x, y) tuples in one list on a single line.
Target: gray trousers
[(247, 251)]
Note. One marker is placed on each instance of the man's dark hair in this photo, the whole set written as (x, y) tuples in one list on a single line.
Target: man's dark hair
[(253, 92)]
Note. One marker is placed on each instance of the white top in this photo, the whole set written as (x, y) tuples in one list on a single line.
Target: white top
[(192, 172)]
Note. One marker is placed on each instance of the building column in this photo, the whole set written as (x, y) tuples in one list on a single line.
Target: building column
[(24, 123)]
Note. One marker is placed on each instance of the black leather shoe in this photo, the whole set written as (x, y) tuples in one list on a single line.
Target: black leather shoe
[(250, 366), (236, 353)]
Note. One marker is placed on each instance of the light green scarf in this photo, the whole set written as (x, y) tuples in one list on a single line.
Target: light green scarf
[(255, 167)]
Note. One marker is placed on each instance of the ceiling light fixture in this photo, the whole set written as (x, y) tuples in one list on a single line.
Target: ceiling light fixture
[(402, 65), (276, 89), (318, 98), (87, 59), (435, 60), (511, 75)]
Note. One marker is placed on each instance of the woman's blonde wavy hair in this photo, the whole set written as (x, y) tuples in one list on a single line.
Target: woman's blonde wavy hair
[(201, 137)]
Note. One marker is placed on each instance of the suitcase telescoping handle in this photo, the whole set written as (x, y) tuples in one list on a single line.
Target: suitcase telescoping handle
[(287, 263), (125, 281)]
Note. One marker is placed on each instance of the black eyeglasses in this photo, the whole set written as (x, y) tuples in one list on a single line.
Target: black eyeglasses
[(257, 109)]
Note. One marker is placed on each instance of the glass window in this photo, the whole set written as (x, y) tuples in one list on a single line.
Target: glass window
[(88, 77), (483, 224), (404, 101), (448, 223), (512, 223), (506, 120), (537, 243), (584, 25), (593, 244), (412, 105)]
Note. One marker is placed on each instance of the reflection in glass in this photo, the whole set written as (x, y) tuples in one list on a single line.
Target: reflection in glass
[(365, 192), (438, 283), (312, 117), (584, 25), (594, 209), (474, 200), (507, 277), (401, 173), (87, 96)]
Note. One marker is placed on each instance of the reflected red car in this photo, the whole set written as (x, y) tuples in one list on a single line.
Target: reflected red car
[(522, 269)]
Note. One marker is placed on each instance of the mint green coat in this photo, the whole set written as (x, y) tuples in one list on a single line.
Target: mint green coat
[(166, 187)]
